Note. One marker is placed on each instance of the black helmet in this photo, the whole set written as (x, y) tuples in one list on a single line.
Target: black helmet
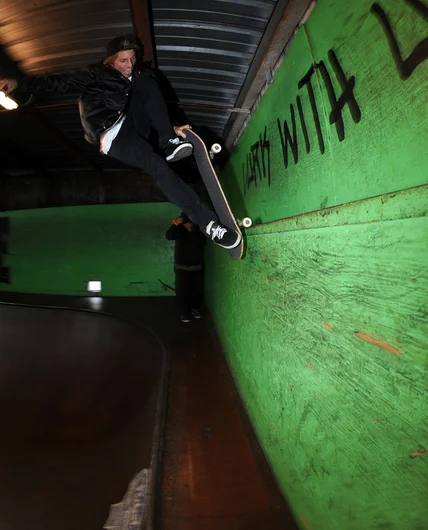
[(122, 43)]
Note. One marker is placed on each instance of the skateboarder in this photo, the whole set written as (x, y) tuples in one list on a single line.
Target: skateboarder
[(119, 104), (188, 268)]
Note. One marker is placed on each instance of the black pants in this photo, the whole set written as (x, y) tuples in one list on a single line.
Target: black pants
[(188, 290), (147, 109)]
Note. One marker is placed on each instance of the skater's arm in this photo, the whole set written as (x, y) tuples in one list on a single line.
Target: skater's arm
[(48, 82)]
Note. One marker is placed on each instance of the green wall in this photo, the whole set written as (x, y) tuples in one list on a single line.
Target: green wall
[(56, 250), (382, 146), (324, 321)]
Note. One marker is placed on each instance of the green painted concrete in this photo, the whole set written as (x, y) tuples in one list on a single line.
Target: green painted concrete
[(337, 416), (56, 250), (384, 152), (325, 320)]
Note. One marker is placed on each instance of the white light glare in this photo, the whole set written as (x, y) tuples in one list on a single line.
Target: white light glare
[(7, 102), (95, 302)]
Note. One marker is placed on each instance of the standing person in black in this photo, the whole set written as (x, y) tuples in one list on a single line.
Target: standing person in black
[(188, 266), (120, 104)]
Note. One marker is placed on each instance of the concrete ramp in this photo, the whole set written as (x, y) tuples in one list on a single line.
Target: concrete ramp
[(80, 398)]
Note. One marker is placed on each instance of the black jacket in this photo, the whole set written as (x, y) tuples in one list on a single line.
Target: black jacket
[(189, 246), (104, 92)]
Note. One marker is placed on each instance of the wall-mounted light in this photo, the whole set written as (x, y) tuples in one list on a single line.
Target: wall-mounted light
[(93, 286), (7, 102)]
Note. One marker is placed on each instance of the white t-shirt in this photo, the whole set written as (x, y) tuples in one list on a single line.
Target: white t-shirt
[(107, 137)]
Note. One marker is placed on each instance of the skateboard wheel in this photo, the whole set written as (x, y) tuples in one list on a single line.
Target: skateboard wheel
[(216, 148), (246, 222)]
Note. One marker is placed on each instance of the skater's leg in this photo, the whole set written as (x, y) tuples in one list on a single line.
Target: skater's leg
[(147, 107), (130, 148)]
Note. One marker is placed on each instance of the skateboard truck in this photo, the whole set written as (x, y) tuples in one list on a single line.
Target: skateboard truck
[(246, 222), (214, 150)]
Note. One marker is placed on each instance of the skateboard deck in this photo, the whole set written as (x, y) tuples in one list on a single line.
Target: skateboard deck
[(215, 191)]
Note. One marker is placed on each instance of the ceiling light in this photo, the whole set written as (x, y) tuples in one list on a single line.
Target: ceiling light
[(7, 102)]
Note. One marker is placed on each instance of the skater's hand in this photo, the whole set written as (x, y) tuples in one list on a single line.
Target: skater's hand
[(178, 129), (8, 85)]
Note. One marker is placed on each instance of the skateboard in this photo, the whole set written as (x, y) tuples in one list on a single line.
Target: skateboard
[(203, 158)]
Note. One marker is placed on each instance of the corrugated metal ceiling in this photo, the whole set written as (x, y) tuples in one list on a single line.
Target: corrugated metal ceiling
[(205, 49), (205, 52)]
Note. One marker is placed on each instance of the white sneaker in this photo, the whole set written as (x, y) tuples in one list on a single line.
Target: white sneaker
[(223, 236), (177, 149)]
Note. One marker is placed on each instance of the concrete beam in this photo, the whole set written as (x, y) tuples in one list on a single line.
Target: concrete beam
[(141, 14)]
